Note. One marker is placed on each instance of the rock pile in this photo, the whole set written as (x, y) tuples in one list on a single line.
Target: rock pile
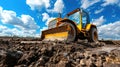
[(57, 54)]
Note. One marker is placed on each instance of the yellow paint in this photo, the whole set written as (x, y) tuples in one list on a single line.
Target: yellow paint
[(79, 26), (88, 27), (58, 36)]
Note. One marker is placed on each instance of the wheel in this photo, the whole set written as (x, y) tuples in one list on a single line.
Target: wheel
[(72, 33), (93, 37)]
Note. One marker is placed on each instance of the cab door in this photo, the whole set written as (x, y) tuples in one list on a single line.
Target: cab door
[(84, 20), (75, 17)]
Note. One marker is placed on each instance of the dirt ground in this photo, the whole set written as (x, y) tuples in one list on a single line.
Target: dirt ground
[(13, 53)]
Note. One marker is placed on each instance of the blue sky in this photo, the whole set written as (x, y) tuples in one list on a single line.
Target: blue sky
[(30, 17)]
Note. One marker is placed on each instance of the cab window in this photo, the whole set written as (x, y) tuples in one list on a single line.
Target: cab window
[(84, 21), (75, 17)]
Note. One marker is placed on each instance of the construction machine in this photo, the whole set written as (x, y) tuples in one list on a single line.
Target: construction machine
[(76, 25)]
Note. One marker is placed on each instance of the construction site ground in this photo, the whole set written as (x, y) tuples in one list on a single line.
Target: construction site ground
[(20, 52)]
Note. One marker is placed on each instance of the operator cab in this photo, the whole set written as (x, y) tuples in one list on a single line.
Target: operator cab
[(75, 17), (85, 19), (79, 16)]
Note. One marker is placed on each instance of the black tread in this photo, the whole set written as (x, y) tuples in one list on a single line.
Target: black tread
[(71, 38), (91, 36)]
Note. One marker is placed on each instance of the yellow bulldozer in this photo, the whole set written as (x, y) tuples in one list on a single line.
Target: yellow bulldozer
[(76, 25)]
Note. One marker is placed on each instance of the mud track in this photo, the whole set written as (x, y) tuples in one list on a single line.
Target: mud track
[(13, 53)]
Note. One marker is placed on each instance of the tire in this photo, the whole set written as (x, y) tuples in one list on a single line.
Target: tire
[(93, 37), (72, 34)]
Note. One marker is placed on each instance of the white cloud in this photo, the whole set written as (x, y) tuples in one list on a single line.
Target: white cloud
[(5, 31), (2, 28), (99, 21), (111, 2), (47, 22), (110, 31), (47, 19), (28, 22), (24, 21), (8, 17), (58, 7), (44, 28), (38, 4), (99, 11), (23, 25), (88, 3), (45, 16)]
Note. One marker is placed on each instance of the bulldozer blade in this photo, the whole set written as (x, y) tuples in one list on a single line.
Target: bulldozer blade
[(58, 33)]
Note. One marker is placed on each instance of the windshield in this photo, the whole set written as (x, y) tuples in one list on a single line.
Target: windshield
[(75, 17)]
